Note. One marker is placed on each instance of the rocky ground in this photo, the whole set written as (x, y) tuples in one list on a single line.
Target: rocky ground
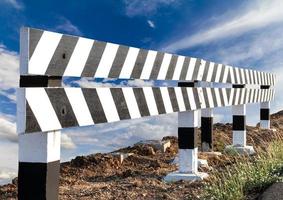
[(140, 176)]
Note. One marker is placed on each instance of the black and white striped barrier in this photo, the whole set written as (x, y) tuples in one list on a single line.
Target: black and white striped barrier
[(44, 108)]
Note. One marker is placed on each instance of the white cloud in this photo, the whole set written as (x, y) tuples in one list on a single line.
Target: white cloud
[(67, 142), (258, 14), (91, 83), (9, 62), (14, 3), (8, 129), (151, 23), (67, 26), (146, 7)]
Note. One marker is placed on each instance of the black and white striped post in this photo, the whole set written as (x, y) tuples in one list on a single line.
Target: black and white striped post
[(265, 111), (39, 152), (187, 141), (207, 126), (239, 125)]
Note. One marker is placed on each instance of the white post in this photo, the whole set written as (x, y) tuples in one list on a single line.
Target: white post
[(39, 165), (265, 115), (188, 150)]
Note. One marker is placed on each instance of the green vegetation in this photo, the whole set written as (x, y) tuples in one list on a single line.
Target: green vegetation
[(247, 174)]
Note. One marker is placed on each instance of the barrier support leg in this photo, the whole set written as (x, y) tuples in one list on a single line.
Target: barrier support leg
[(207, 130), (265, 115), (39, 165), (239, 131), (188, 150)]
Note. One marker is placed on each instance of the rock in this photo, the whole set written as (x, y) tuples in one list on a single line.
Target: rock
[(156, 144), (121, 156)]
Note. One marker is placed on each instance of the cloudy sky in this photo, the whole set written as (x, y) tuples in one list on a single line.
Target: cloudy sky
[(235, 32)]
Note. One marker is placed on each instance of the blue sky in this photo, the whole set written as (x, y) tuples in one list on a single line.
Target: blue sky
[(236, 32)]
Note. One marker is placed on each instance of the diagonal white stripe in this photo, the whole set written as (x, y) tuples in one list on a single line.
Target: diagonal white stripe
[(79, 106), (108, 104), (129, 63), (178, 68), (131, 102), (201, 98), (106, 61), (147, 68), (166, 99), (218, 73), (150, 100), (210, 99), (79, 57), (191, 68), (164, 66), (42, 109), (180, 99), (43, 52), (210, 71), (201, 69), (191, 98)]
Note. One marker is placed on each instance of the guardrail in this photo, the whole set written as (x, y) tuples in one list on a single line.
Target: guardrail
[(44, 107)]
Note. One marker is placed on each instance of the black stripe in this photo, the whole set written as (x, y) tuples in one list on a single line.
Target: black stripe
[(238, 86), (214, 72), (213, 94), (34, 37), (222, 73), (264, 86), (187, 137), (173, 99), (186, 98), (139, 64), (196, 69), (94, 105), (159, 100), (118, 62), (187, 84), (120, 103), (156, 66), (196, 96), (185, 68), (62, 55), (239, 122), (33, 81), (229, 77), (62, 107), (264, 114), (221, 97), (31, 121), (234, 97), (206, 131), (139, 94), (93, 59), (205, 96), (205, 71), (38, 180), (228, 92), (171, 67)]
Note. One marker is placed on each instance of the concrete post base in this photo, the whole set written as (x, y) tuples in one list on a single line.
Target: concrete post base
[(232, 149), (201, 162), (177, 176)]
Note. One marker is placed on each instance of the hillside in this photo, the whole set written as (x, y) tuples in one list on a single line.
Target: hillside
[(102, 176)]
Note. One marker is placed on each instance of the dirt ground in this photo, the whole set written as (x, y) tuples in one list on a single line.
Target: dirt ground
[(140, 176)]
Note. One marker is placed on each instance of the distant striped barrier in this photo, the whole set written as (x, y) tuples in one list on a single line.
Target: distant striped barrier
[(44, 107)]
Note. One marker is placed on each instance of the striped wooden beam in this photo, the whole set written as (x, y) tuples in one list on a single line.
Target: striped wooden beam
[(47, 109), (55, 54)]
